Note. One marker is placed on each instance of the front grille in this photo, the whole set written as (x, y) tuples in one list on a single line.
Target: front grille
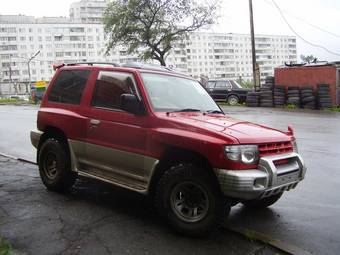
[(275, 148)]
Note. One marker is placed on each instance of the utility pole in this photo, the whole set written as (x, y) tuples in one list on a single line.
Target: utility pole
[(28, 67), (256, 85)]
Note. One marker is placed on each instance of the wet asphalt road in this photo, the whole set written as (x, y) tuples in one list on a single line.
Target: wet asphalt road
[(16, 122), (95, 218), (307, 217)]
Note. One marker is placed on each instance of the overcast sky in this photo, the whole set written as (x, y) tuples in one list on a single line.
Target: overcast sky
[(307, 17)]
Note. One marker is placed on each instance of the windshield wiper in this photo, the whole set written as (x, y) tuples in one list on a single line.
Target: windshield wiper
[(186, 110), (215, 111)]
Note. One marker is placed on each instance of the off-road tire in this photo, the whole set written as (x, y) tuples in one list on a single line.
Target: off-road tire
[(182, 174), (57, 151), (262, 203)]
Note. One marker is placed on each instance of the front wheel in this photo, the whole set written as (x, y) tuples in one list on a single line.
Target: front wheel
[(188, 200), (262, 203), (233, 100), (54, 165)]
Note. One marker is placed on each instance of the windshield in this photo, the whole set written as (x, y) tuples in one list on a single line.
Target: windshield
[(170, 93)]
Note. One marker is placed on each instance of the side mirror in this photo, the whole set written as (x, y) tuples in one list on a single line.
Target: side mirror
[(130, 103)]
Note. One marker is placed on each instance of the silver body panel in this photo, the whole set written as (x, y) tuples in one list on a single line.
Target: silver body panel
[(134, 171), (35, 137), (125, 169), (267, 180)]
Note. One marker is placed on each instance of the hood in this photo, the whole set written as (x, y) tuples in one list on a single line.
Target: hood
[(245, 132)]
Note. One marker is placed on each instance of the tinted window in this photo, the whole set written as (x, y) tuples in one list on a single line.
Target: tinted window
[(69, 86), (110, 86), (220, 84)]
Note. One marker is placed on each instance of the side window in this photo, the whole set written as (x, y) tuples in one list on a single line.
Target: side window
[(229, 85), (69, 86), (211, 84), (110, 86), (220, 85)]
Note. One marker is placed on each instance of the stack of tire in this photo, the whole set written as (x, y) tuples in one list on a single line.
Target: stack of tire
[(279, 95), (307, 97), (269, 81), (266, 93), (324, 97), (253, 99), (293, 96)]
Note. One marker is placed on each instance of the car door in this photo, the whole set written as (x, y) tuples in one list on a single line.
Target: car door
[(221, 90), (116, 140), (210, 88)]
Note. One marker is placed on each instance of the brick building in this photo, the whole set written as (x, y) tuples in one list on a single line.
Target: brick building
[(312, 75)]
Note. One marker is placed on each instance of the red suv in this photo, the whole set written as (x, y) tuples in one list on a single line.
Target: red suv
[(159, 133)]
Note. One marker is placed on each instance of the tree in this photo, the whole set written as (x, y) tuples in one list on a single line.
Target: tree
[(151, 27), (308, 59)]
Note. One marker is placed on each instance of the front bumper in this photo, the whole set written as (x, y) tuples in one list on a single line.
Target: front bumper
[(268, 179), (35, 137)]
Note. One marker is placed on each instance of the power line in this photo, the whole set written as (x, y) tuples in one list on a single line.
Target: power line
[(305, 21), (298, 35)]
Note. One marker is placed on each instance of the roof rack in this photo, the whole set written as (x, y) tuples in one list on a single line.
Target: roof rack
[(138, 65), (55, 67), (93, 63), (155, 67)]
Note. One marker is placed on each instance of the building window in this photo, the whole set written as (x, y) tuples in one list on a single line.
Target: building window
[(59, 54)]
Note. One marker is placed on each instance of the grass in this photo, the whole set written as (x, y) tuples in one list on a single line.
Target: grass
[(10, 100), (335, 109), (291, 107), (15, 101), (5, 247), (226, 104)]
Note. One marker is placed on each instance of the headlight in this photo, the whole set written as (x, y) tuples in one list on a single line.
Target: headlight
[(295, 147), (247, 154)]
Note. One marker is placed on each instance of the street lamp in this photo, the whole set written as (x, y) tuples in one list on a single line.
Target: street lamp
[(28, 66)]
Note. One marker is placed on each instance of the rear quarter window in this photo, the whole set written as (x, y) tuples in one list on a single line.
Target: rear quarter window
[(69, 86)]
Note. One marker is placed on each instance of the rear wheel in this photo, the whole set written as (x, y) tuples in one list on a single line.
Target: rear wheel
[(262, 203), (55, 166), (188, 200), (233, 100)]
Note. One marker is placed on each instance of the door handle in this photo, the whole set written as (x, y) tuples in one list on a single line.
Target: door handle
[(94, 122)]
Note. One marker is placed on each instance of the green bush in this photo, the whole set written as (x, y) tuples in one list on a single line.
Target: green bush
[(291, 106)]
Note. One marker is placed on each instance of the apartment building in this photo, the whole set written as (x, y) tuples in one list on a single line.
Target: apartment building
[(219, 55), (87, 11), (54, 40)]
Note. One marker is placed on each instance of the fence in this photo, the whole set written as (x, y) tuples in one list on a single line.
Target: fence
[(14, 88)]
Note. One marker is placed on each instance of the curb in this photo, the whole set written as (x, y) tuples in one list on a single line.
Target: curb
[(281, 245), (19, 159), (247, 233)]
